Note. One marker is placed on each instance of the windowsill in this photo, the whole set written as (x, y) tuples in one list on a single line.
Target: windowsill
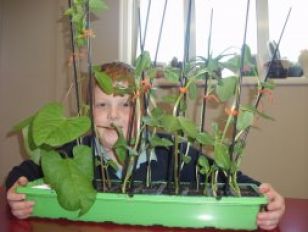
[(161, 83), (280, 81)]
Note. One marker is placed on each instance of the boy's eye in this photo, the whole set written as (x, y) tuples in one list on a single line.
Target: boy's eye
[(101, 105), (127, 104)]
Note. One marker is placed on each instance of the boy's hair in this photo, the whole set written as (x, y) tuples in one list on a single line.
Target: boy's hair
[(119, 72)]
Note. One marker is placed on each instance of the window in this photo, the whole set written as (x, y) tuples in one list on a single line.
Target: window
[(266, 19), (228, 25), (172, 40), (171, 44), (295, 37)]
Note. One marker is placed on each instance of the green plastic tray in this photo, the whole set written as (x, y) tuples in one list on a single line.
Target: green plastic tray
[(146, 210)]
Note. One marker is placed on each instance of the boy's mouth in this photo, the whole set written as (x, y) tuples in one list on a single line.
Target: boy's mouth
[(109, 127)]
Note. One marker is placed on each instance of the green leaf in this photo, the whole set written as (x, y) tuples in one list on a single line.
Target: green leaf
[(226, 88), (244, 120), (263, 115), (213, 65), (221, 156), (254, 110), (122, 91), (157, 112), (69, 11), (143, 62), (203, 162), (51, 162), (96, 68), (169, 123), (120, 145), (188, 127), (156, 141), (172, 74), (23, 123), (97, 5), (112, 164), (171, 99), (150, 121), (83, 160), (51, 127), (192, 91), (131, 151), (32, 151), (247, 56), (74, 189), (205, 138), (104, 81), (233, 63), (183, 106), (239, 147), (185, 158)]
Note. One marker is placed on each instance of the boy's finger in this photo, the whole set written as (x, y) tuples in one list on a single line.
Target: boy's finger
[(22, 205), (22, 181), (13, 196), (22, 214)]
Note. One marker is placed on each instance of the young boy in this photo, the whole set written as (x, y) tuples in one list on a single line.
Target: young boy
[(116, 109)]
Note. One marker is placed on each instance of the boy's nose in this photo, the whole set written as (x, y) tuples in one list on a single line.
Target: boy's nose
[(113, 113)]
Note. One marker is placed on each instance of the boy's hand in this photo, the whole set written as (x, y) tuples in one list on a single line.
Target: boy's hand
[(268, 220), (20, 207)]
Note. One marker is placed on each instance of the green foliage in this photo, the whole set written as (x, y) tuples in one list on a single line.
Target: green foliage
[(221, 156), (172, 74), (78, 13), (245, 119), (253, 109), (33, 151), (234, 63), (143, 62), (71, 178), (156, 141), (170, 123), (204, 165), (104, 81), (120, 145), (192, 91), (23, 124), (188, 127), (205, 138), (97, 5), (226, 88), (51, 127), (185, 158)]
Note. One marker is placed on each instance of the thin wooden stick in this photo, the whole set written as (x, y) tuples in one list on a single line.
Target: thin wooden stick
[(160, 32), (74, 63), (260, 94)]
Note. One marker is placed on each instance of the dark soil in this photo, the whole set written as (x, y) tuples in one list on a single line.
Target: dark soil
[(186, 189)]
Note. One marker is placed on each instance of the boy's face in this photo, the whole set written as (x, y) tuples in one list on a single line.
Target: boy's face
[(107, 110)]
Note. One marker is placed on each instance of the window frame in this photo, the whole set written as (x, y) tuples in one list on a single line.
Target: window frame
[(128, 30)]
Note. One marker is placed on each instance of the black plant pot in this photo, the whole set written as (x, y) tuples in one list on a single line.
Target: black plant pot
[(276, 69)]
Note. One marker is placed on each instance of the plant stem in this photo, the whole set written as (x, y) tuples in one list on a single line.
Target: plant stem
[(181, 95), (132, 158), (205, 184), (185, 155), (228, 123), (176, 164)]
